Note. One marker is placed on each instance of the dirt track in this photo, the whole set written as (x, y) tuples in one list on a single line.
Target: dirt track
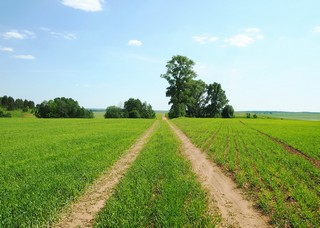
[(83, 212), (222, 190)]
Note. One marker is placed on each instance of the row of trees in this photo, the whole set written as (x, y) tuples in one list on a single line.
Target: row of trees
[(62, 108), (190, 97), (133, 108), (11, 104)]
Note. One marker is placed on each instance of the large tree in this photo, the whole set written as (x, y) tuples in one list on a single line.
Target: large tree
[(216, 99), (196, 98), (179, 73)]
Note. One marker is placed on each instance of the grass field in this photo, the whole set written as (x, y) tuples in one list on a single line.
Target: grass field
[(47, 163), (285, 186), (159, 190)]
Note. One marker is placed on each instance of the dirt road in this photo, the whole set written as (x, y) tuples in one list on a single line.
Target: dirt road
[(235, 210), (83, 212)]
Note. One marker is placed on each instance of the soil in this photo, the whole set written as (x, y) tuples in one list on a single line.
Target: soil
[(223, 192), (83, 212)]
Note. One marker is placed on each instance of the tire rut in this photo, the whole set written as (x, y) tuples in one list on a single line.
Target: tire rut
[(223, 192), (83, 212)]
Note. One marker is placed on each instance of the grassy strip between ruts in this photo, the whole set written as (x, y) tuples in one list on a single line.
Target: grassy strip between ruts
[(159, 190), (285, 186), (46, 164)]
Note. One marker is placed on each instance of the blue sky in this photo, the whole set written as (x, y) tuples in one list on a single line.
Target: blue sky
[(265, 54)]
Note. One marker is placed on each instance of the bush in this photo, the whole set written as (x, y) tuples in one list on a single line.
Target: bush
[(62, 108), (228, 112), (134, 114), (133, 108), (114, 112), (2, 114)]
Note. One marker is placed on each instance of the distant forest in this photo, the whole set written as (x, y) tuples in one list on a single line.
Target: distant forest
[(10, 104), (56, 108)]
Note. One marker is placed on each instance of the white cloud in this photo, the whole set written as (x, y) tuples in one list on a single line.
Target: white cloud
[(86, 5), (245, 39), (316, 29), (240, 40), (259, 37), (6, 49), (14, 34), (69, 36), (27, 57), (134, 43), (63, 35), (203, 39)]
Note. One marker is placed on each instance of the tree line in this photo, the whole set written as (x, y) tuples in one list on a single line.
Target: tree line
[(133, 108), (10, 104), (190, 97), (62, 107)]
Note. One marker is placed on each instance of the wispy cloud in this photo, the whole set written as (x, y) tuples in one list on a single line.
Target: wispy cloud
[(61, 35), (15, 34), (6, 49), (245, 39), (240, 40), (26, 57), (316, 29), (86, 5), (134, 43), (203, 39)]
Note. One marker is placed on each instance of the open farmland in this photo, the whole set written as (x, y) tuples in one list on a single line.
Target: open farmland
[(301, 135), (46, 164), (285, 185), (159, 190)]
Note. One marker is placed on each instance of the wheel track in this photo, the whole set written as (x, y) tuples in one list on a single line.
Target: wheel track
[(223, 192), (83, 212)]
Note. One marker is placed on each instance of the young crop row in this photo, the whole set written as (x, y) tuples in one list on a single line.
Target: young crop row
[(159, 190), (285, 186), (46, 164), (302, 135)]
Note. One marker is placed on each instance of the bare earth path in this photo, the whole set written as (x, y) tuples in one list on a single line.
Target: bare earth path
[(234, 209), (83, 212)]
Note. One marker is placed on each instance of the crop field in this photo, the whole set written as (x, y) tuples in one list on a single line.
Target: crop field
[(159, 190), (46, 164), (302, 135), (284, 185)]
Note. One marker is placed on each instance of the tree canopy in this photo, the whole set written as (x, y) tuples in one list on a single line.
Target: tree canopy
[(190, 97), (62, 108), (11, 104), (133, 108)]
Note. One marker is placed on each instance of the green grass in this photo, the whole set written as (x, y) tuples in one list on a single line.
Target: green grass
[(285, 186), (159, 190), (47, 163), (18, 113), (302, 135)]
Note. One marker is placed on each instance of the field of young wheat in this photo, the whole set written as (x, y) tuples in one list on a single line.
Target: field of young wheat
[(284, 184)]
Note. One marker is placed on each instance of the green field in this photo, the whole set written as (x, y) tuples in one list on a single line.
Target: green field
[(159, 190), (284, 185), (46, 163)]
